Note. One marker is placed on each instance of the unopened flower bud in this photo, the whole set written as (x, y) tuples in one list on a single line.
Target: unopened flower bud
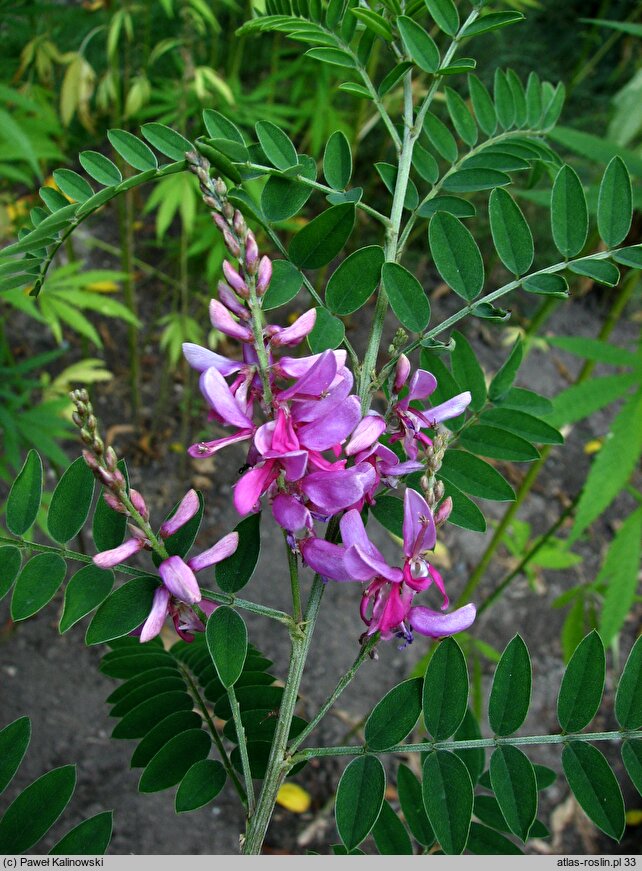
[(111, 458), (228, 211), (234, 279), (251, 253), (238, 222), (91, 460), (98, 446), (209, 201), (77, 419), (402, 372), (425, 482), (139, 503), (118, 480), (220, 187), (264, 275), (103, 475), (92, 423), (231, 244), (443, 512), (86, 436), (114, 503), (220, 222), (439, 491)]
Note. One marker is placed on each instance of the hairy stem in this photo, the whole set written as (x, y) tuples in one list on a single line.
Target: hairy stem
[(242, 745)]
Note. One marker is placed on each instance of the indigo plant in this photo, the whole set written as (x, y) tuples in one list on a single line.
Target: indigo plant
[(335, 438)]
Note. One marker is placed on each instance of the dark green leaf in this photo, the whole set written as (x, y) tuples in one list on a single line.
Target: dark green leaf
[(356, 90), (614, 205), (489, 441), (147, 691), (440, 137), (511, 234), (71, 502), (515, 786), (632, 759), (526, 425), (476, 179), (545, 776), (131, 662), (519, 97), (483, 841), (201, 784), (547, 285), (233, 573), (456, 206), (465, 513), (425, 164), (526, 400), (122, 611), (448, 799), (10, 561), (333, 56), (407, 297), (445, 690), (388, 510), (109, 526), (503, 379), (510, 695), (174, 760), (166, 140), (475, 476), (100, 168), (53, 199), (628, 701), (226, 636), (467, 371), (569, 213), (599, 270), (360, 795), (582, 685), (173, 724), (285, 284), (89, 838), (388, 175), (411, 801), (419, 44), (36, 809), (594, 786), (337, 161), (391, 78), (483, 105), (146, 715), (355, 280), (220, 127), (390, 834), (491, 21), (504, 103), (85, 591), (445, 15), (463, 121), (328, 332), (37, 584), (456, 255), (534, 105), (73, 185), (276, 144), (132, 150), (14, 740), (376, 23), (322, 239), (631, 256), (474, 758), (395, 716), (24, 497)]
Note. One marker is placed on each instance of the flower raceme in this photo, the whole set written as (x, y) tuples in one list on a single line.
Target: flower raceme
[(179, 594)]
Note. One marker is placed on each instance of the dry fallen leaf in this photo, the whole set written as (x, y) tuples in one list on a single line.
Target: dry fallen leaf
[(294, 798)]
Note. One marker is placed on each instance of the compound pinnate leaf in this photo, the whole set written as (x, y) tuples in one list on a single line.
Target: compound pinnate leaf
[(201, 784), (226, 635), (73, 185), (418, 44), (445, 690), (594, 786), (475, 476), (582, 685), (36, 809), (628, 700), (91, 837), (171, 724), (100, 168), (510, 695), (25, 494), (448, 799), (360, 795), (456, 255), (37, 584), (483, 841), (394, 716), (514, 783), (14, 740), (615, 203), (71, 502)]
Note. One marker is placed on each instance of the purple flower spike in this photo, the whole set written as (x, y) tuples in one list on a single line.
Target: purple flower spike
[(179, 579), (109, 558), (220, 551), (436, 625), (215, 389), (187, 508), (154, 623)]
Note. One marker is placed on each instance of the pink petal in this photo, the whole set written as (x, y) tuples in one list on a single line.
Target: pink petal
[(317, 379), (216, 391), (180, 580), (422, 385), (419, 531), (294, 463), (327, 432), (231, 301), (325, 558), (297, 332), (436, 625), (333, 491), (366, 434), (295, 367), (222, 320), (220, 551), (252, 485), (365, 566), (206, 449), (402, 371), (187, 508), (447, 410), (290, 513), (202, 358), (304, 411), (154, 623), (109, 558)]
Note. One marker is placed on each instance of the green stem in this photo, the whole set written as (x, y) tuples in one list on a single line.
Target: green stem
[(294, 581), (242, 745), (215, 736), (473, 744), (347, 678)]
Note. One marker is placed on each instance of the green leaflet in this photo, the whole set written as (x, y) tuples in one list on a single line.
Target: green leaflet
[(395, 716), (226, 636), (360, 795), (456, 255), (582, 685), (355, 280), (407, 297), (322, 239), (25, 494)]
